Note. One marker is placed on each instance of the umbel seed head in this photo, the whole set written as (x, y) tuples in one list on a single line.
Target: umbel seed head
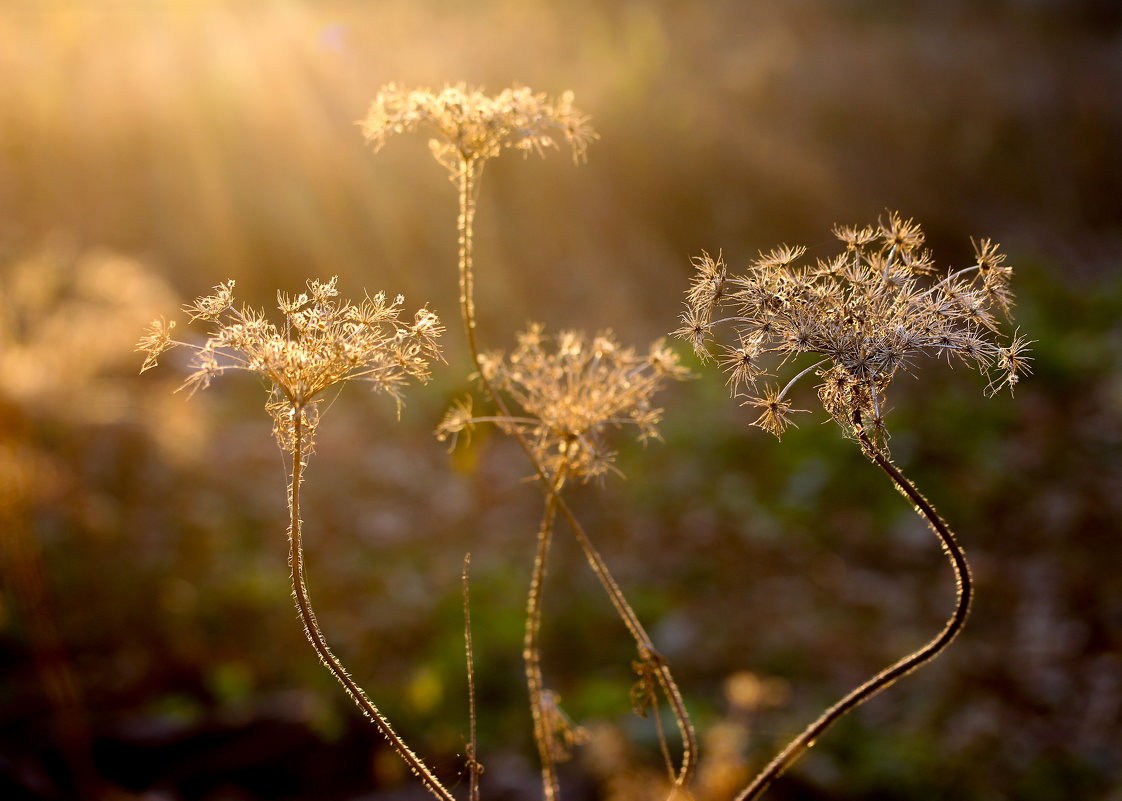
[(866, 314), (323, 341), (470, 126), (572, 390)]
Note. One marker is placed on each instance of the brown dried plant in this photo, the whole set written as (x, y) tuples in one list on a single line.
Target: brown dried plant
[(571, 393), (469, 128), (323, 342), (473, 126), (863, 316)]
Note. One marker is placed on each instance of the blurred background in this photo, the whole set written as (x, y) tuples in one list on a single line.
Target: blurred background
[(150, 149)]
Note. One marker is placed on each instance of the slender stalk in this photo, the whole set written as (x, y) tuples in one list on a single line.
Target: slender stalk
[(531, 653), (964, 591), (466, 185), (465, 229), (315, 635), (475, 769), (644, 644)]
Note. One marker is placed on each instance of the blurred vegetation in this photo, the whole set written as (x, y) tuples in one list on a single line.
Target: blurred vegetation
[(149, 150)]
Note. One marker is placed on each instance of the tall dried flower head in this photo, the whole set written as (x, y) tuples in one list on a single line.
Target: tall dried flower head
[(572, 391), (867, 314), (323, 341), (470, 126)]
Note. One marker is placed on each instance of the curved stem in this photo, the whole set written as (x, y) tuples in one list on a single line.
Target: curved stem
[(466, 185), (964, 591), (531, 653), (315, 635)]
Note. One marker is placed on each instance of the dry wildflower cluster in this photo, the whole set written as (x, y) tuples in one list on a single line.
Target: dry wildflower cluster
[(569, 398), (866, 314), (869, 312), (472, 126), (572, 392), (566, 394), (324, 341)]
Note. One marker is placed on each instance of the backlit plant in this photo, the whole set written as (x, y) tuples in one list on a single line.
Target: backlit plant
[(571, 394), (324, 342), (861, 318), (469, 128)]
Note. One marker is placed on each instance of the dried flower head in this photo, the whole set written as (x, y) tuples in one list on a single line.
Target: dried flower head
[(324, 341), (572, 390), (866, 314), (470, 126)]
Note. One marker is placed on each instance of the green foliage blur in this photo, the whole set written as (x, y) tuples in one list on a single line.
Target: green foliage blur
[(149, 647)]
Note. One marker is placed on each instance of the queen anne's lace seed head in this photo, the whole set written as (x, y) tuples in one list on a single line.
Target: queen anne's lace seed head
[(571, 391), (470, 126), (322, 342), (866, 314)]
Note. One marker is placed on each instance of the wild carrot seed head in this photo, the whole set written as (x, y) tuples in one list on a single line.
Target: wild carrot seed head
[(572, 390), (323, 341), (866, 314), (471, 126)]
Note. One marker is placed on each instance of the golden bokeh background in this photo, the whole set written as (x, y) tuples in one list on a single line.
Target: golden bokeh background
[(150, 149)]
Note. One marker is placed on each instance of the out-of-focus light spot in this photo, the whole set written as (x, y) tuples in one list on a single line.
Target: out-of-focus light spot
[(334, 38), (425, 689)]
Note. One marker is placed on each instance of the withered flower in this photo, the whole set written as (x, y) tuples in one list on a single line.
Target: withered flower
[(323, 341)]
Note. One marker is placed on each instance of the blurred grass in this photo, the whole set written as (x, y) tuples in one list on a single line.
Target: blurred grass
[(170, 145)]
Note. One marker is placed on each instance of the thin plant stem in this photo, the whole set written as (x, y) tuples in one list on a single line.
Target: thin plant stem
[(466, 186), (315, 634), (465, 229), (531, 652), (963, 589), (663, 745), (475, 769)]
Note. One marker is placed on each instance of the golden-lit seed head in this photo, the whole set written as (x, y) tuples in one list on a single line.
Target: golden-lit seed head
[(570, 392), (782, 256), (775, 411), (210, 307), (469, 125), (855, 237), (861, 317), (900, 233), (322, 342), (155, 341)]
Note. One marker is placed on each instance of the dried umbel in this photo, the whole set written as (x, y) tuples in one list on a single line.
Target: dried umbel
[(869, 312), (862, 317), (323, 341), (572, 391), (561, 397), (469, 125)]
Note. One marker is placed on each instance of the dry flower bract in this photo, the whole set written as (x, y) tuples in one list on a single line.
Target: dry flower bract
[(867, 314), (322, 342), (471, 126), (572, 391)]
